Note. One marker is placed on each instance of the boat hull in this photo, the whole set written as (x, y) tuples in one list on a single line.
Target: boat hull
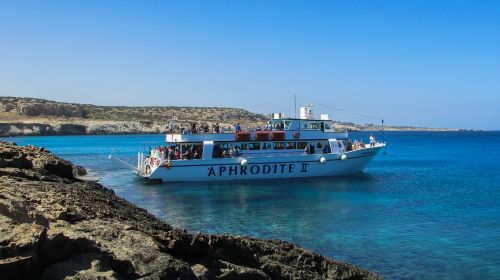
[(258, 168)]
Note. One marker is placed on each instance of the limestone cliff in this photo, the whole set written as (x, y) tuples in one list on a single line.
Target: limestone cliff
[(32, 116), (54, 225)]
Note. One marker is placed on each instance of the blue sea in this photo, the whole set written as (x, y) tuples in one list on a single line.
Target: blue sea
[(427, 208)]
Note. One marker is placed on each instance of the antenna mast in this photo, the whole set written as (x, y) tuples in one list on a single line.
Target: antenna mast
[(295, 105)]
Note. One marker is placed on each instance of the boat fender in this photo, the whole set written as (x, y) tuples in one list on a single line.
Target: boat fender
[(296, 135), (322, 160), (343, 157), (244, 162)]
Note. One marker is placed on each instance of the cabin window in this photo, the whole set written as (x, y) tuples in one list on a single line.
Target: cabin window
[(221, 150), (301, 145), (266, 146), (254, 146), (327, 126), (279, 126), (279, 145), (287, 125), (197, 151), (291, 145), (305, 125), (182, 151), (242, 146), (319, 145)]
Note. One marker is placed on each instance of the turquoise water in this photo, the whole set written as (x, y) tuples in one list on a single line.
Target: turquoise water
[(429, 208)]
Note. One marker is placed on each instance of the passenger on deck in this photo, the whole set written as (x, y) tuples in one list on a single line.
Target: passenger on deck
[(193, 128), (307, 150), (326, 149), (237, 127), (237, 151), (217, 128), (187, 154), (148, 166), (349, 145), (177, 153), (269, 126), (361, 144), (170, 153), (372, 140)]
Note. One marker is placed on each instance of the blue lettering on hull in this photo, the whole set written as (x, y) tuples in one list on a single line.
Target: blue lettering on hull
[(238, 170)]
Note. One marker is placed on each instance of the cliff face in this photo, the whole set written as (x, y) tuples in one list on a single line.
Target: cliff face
[(54, 225), (32, 116)]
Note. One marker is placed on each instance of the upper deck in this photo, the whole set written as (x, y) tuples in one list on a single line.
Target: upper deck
[(292, 129)]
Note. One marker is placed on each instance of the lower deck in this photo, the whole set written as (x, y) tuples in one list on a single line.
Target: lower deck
[(264, 167)]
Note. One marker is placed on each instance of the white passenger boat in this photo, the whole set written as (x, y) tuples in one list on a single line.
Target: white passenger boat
[(286, 148)]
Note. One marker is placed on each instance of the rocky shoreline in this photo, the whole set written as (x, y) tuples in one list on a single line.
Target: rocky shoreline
[(54, 225), (31, 116)]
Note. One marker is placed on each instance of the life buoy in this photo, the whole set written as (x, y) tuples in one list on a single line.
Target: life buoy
[(296, 135)]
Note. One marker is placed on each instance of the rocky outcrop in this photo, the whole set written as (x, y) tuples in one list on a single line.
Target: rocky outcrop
[(54, 225), (79, 128), (33, 116)]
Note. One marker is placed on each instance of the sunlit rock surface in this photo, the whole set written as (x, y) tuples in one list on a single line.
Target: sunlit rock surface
[(54, 225)]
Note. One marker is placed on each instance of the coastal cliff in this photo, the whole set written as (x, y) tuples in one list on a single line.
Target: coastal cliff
[(32, 116), (53, 224)]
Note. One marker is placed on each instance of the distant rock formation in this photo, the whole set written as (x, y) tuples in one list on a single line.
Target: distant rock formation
[(32, 116), (54, 225)]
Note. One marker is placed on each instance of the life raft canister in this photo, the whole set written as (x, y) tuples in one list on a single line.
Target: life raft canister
[(296, 135)]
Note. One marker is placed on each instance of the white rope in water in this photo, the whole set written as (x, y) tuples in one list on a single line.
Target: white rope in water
[(121, 161)]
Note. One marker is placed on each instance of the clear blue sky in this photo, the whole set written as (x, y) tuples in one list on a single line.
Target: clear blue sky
[(422, 63)]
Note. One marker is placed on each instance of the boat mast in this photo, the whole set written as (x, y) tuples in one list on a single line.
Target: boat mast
[(295, 105)]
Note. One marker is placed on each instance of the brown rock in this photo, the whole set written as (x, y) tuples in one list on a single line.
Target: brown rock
[(53, 225)]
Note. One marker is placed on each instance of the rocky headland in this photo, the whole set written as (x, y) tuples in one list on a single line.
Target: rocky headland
[(54, 224), (32, 116)]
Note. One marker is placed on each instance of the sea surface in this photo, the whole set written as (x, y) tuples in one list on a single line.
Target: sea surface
[(427, 208)]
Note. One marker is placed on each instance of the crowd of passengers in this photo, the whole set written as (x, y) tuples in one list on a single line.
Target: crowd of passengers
[(359, 144), (216, 128), (230, 151), (174, 152)]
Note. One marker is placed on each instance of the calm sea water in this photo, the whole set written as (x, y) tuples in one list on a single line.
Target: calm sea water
[(428, 209)]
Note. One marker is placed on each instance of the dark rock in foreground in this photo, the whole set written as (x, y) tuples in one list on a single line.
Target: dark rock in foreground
[(53, 225)]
